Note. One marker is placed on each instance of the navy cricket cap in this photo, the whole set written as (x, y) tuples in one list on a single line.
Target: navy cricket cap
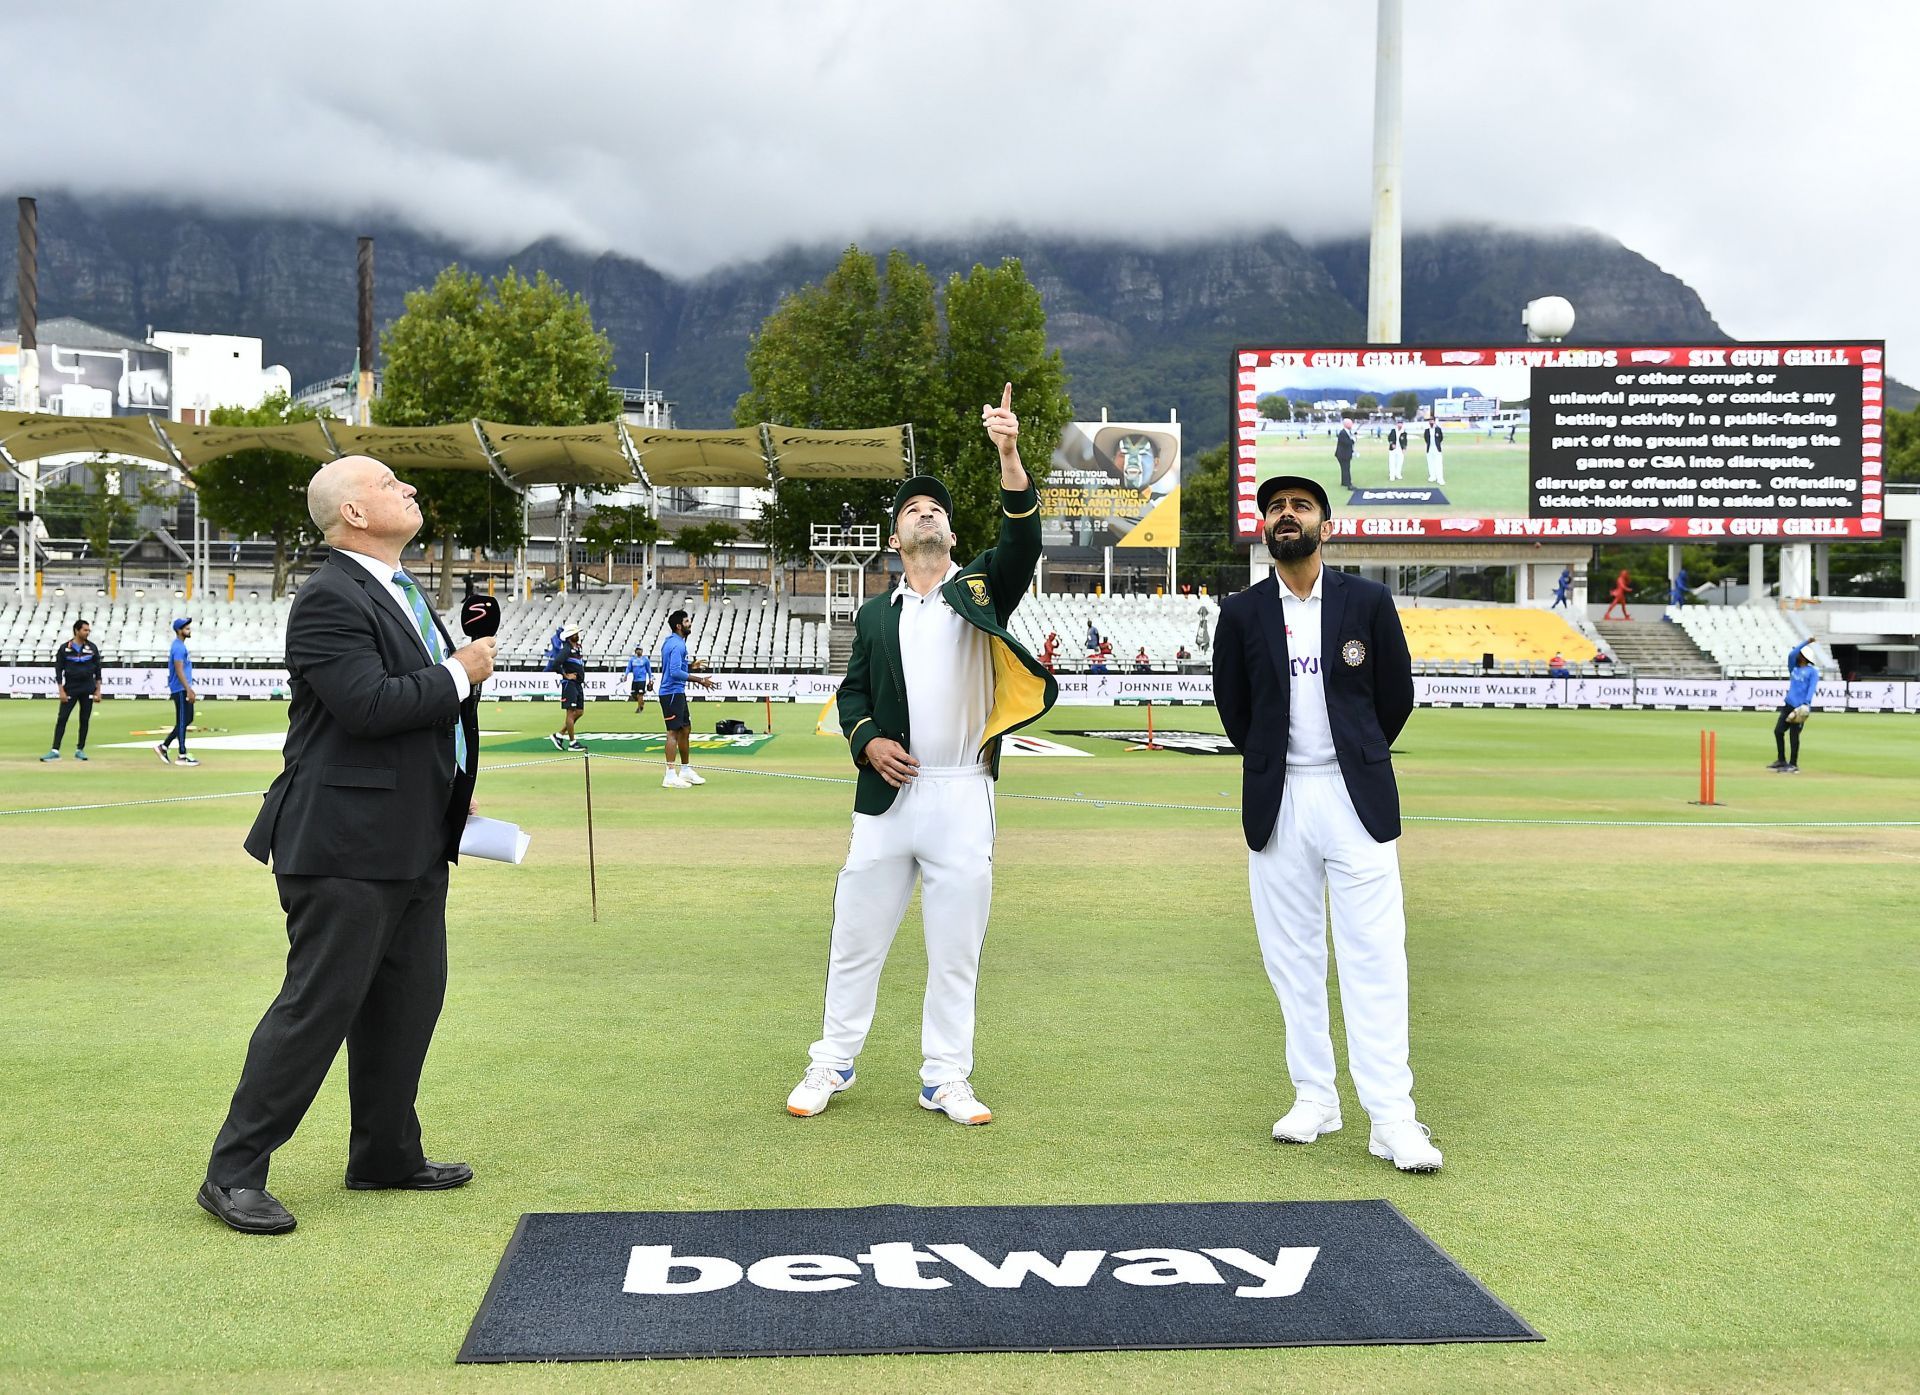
[(183, 622), (1268, 488), (917, 486)]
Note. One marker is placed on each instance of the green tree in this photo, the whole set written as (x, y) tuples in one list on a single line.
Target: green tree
[(261, 492), (1276, 406), (1903, 446), (619, 527), (106, 505), (1367, 405), (1404, 404), (702, 542), (510, 350), (866, 348)]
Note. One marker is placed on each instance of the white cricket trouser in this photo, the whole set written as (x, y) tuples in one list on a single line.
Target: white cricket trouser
[(1396, 458), (940, 829), (1436, 467), (1319, 846)]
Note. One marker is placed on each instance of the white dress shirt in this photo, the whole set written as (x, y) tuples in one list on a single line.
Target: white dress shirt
[(1309, 733), (383, 573), (949, 676)]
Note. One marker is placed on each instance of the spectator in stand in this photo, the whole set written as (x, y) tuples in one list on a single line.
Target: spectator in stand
[(1141, 663), (76, 676), (1622, 584), (1803, 676), (1093, 636), (639, 675), (180, 688), (1557, 667), (1181, 655), (1096, 661), (1678, 595), (1563, 590), (1048, 650)]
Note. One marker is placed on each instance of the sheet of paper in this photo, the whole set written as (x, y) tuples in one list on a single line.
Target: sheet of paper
[(495, 840)]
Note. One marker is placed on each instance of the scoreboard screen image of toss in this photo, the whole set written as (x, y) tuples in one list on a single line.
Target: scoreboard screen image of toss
[(1748, 442)]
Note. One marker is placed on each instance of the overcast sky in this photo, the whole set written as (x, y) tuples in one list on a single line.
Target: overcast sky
[(1761, 150)]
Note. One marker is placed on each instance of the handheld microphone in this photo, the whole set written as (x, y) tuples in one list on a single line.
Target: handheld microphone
[(479, 617)]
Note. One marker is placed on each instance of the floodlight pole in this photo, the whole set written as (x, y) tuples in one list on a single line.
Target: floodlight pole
[(1383, 264)]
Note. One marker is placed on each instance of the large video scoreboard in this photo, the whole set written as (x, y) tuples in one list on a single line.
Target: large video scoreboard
[(1736, 442)]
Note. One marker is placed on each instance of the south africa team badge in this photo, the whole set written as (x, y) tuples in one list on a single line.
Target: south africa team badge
[(1354, 652), (977, 589)]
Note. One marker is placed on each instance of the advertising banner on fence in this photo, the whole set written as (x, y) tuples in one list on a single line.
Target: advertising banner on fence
[(1081, 689), (1734, 442)]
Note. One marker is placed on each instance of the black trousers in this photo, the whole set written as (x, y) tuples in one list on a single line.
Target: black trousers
[(66, 710), (366, 965), (1782, 730)]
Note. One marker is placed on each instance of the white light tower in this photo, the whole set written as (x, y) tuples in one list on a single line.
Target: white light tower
[(1383, 262)]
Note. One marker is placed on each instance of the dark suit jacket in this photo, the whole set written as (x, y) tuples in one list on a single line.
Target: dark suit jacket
[(1432, 437), (369, 789), (1369, 683), (873, 696), (1343, 446)]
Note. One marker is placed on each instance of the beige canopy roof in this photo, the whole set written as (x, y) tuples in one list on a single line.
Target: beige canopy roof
[(880, 454), (600, 456), (32, 435)]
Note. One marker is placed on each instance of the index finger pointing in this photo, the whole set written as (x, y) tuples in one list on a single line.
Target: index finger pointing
[(1006, 398)]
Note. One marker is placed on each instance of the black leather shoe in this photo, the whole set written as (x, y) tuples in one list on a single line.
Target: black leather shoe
[(432, 1177), (247, 1209)]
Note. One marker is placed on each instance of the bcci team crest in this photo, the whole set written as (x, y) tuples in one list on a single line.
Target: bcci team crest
[(977, 589), (1354, 652)]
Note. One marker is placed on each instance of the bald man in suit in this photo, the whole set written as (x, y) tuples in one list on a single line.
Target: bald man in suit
[(360, 827)]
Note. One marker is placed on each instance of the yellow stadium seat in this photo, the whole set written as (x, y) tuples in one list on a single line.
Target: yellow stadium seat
[(1463, 634)]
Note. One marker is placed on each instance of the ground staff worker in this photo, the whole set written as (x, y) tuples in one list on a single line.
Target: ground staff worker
[(76, 676), (934, 682), (382, 748), (1803, 676), (1313, 683)]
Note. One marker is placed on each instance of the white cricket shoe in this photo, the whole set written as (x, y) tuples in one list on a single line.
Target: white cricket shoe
[(674, 782), (819, 1085), (1306, 1121), (955, 1100), (691, 778), (1405, 1145)]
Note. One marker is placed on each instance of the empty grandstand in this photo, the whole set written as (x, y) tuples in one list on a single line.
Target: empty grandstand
[(1746, 641)]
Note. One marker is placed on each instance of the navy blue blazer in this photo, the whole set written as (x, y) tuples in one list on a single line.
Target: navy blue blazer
[(1369, 682)]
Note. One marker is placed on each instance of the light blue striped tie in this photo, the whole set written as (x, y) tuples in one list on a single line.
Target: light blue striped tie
[(430, 636)]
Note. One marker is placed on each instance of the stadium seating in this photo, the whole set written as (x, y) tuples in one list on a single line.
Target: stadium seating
[(751, 634), (1161, 623), (1520, 638), (1747, 641)]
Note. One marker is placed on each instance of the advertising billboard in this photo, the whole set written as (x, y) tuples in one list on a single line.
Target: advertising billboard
[(1737, 442), (1113, 484), (104, 382)]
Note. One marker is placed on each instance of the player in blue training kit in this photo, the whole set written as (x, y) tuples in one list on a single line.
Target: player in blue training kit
[(1803, 676), (571, 665), (639, 675)]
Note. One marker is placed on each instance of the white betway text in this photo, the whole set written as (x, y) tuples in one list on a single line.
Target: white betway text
[(656, 1270)]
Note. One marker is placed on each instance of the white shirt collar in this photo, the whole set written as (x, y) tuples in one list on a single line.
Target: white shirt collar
[(379, 570), (901, 589), (1286, 592)]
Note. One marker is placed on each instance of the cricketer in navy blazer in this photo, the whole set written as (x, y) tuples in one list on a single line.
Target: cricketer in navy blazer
[(1369, 683)]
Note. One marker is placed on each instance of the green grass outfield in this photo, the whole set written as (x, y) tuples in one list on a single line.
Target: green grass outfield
[(1485, 475), (1673, 1068)]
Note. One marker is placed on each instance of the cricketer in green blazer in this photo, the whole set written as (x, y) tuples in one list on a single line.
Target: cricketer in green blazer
[(873, 696)]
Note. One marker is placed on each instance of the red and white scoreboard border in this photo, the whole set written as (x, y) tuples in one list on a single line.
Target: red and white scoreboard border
[(1868, 355)]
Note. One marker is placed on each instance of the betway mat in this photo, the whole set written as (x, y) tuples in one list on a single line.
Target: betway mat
[(602, 1286), (640, 743)]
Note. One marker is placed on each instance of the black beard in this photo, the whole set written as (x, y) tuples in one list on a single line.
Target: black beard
[(1297, 548)]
